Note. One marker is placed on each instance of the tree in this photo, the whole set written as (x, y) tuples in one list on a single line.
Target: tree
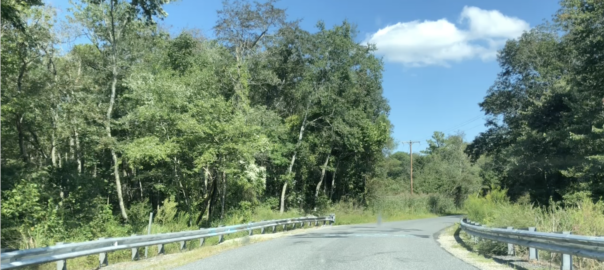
[(113, 29)]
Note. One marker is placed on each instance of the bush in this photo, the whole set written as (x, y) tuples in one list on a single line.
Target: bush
[(440, 204)]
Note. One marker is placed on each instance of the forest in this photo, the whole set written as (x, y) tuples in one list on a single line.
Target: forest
[(267, 116)]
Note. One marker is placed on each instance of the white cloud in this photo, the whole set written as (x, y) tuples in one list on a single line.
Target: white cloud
[(440, 42)]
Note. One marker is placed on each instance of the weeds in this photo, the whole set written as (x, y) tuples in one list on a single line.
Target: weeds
[(580, 215)]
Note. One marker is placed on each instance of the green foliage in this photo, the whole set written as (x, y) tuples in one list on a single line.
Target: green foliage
[(168, 211), (582, 217), (545, 128)]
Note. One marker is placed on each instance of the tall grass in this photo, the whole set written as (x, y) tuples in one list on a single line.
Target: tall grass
[(393, 208), (580, 215)]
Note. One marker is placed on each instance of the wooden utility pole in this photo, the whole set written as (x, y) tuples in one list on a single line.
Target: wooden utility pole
[(411, 156)]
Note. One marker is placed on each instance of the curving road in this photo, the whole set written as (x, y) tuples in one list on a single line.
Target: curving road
[(392, 245)]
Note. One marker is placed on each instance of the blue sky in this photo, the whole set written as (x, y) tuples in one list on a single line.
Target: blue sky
[(439, 55)]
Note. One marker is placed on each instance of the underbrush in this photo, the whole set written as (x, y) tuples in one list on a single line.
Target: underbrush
[(579, 214), (393, 208), (169, 219)]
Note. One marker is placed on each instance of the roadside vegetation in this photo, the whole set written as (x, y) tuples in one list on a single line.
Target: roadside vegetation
[(268, 120), (578, 214), (543, 155)]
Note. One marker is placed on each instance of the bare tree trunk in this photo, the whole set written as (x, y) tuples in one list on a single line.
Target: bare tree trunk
[(322, 176)]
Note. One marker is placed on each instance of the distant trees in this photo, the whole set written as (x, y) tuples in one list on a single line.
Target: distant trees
[(442, 168)]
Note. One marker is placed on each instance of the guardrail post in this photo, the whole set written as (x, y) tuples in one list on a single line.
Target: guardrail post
[(160, 249), (567, 259), (103, 257), (533, 253), (62, 264), (201, 240), (262, 230), (134, 252), (284, 226), (294, 226), (472, 237), (274, 228), (477, 239), (183, 245), (511, 246), (324, 222), (220, 237), (316, 223)]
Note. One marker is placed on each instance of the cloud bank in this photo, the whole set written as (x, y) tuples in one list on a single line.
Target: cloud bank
[(441, 42)]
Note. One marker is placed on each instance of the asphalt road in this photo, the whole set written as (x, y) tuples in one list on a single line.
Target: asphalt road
[(390, 245)]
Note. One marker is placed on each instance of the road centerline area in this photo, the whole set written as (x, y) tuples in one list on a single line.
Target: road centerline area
[(391, 245)]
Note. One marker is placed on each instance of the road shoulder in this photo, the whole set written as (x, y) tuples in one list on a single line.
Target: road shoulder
[(449, 240)]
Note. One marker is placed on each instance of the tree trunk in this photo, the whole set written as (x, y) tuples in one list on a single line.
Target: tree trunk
[(333, 181), (322, 176), (224, 185), (78, 155), (293, 160), (53, 149), (212, 200), (53, 142), (116, 172), (19, 123)]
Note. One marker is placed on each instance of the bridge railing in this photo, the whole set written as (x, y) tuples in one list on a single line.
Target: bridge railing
[(63, 251), (562, 243)]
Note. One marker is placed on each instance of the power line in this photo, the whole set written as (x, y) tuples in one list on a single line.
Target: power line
[(473, 119)]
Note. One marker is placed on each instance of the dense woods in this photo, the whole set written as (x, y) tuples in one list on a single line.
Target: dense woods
[(266, 115), (545, 128)]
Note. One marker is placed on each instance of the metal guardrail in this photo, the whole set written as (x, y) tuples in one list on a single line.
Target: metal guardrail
[(61, 252), (562, 243)]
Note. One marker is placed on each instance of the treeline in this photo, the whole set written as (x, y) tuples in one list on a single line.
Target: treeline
[(442, 168), (545, 136), (267, 114)]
